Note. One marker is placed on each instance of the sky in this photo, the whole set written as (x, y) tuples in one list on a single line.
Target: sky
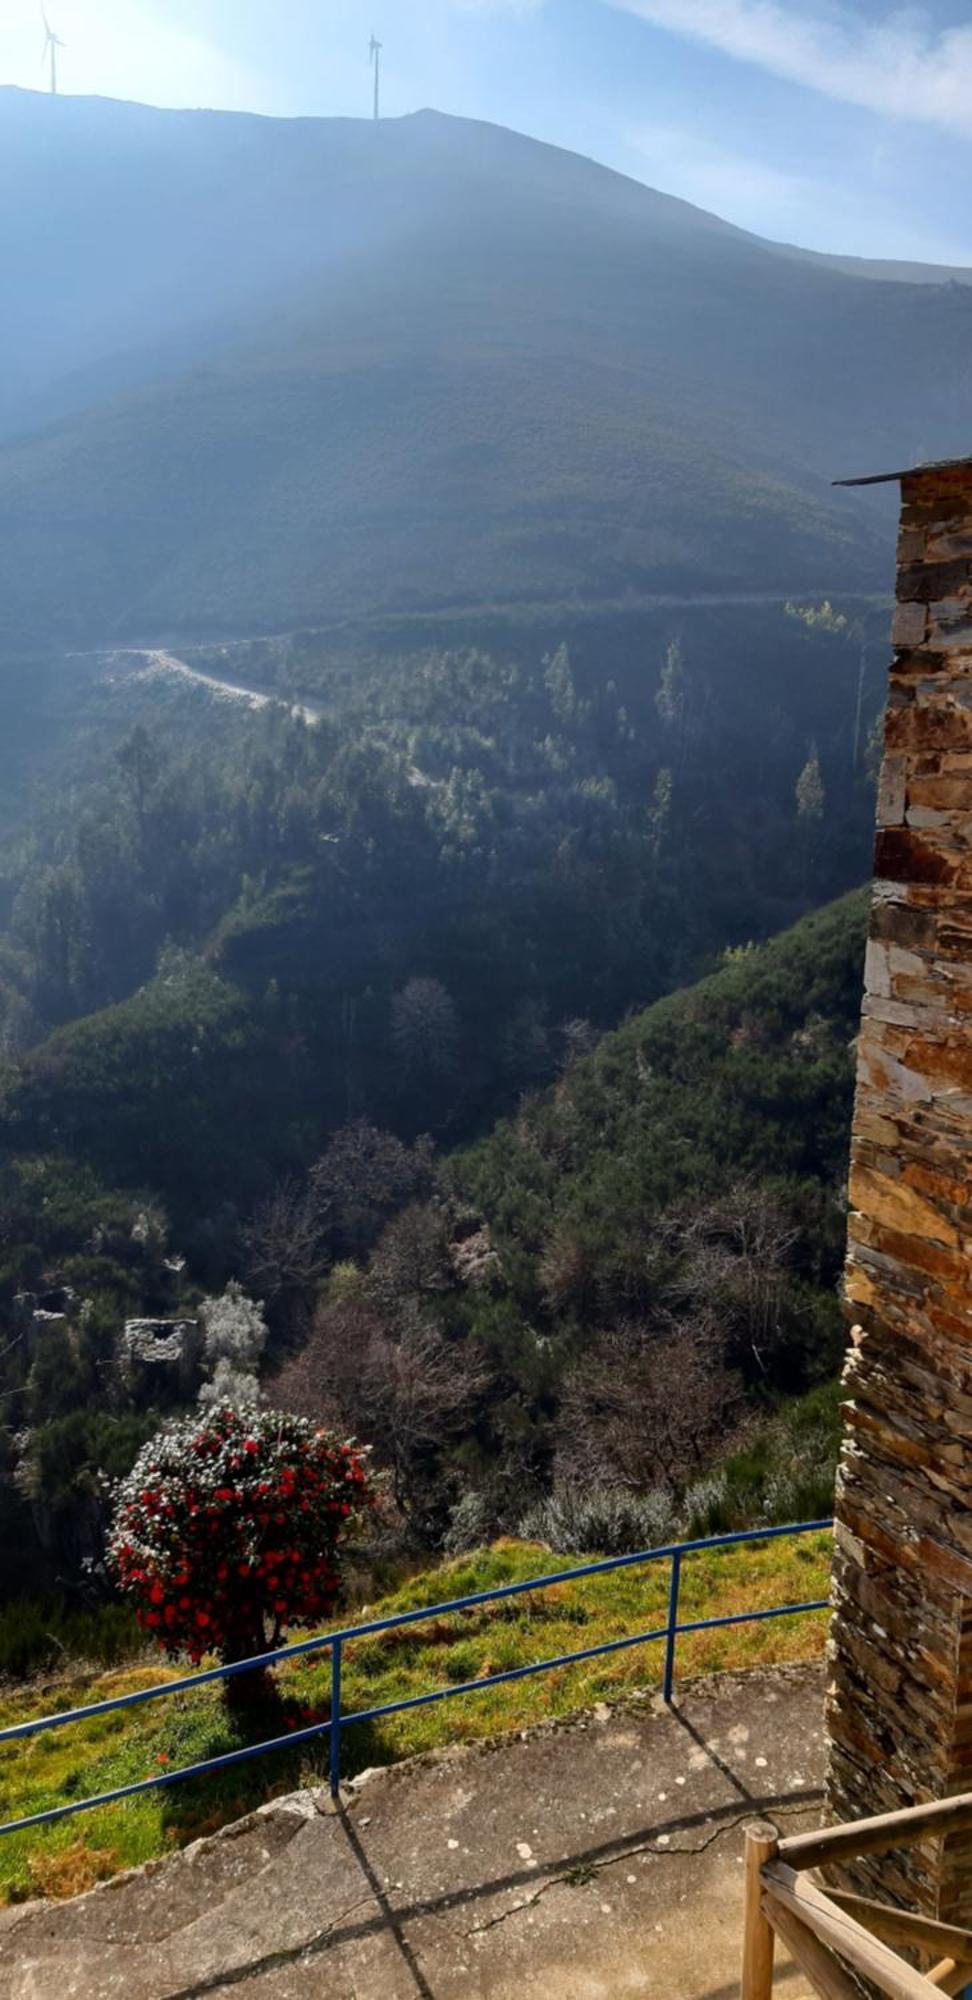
[(837, 124)]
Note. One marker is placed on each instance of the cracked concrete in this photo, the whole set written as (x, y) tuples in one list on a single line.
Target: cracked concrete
[(589, 1860)]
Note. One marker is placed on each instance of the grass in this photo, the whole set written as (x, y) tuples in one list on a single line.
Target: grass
[(131, 1744)]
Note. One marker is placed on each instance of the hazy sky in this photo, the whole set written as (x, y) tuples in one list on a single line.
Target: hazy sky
[(841, 124)]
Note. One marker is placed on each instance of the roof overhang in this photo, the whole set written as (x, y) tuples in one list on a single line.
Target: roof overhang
[(908, 472)]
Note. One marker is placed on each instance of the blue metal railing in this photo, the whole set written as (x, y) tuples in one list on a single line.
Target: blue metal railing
[(336, 1641)]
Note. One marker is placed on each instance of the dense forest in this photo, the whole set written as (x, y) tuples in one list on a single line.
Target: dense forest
[(267, 983)]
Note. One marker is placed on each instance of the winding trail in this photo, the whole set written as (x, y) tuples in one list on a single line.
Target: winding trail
[(158, 660)]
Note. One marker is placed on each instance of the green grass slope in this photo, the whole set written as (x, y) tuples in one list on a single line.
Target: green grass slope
[(121, 1748)]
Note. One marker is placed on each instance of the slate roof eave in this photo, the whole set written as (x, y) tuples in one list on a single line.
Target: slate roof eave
[(907, 472)]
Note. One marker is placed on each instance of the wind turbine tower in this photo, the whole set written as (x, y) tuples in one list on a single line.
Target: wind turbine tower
[(52, 43), (374, 51)]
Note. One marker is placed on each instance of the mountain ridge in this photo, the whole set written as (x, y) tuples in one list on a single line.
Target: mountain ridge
[(318, 367)]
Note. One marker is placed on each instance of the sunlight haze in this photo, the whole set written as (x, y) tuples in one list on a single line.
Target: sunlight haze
[(825, 125)]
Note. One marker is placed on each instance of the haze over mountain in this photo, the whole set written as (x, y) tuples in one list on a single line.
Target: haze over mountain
[(257, 372)]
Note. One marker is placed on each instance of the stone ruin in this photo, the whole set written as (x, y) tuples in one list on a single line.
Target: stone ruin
[(156, 1352), (900, 1699)]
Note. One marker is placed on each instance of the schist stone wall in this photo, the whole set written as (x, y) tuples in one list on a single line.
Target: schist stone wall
[(900, 1700)]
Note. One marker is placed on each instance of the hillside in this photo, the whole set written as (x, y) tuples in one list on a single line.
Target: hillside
[(643, 1265), (612, 1295), (317, 368), (747, 1072), (203, 897)]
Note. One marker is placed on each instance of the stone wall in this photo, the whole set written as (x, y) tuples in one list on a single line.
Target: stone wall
[(900, 1700)]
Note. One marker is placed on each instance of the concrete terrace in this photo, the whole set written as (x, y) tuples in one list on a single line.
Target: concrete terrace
[(588, 1860)]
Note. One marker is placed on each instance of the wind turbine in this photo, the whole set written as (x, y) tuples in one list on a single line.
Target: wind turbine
[(52, 43), (374, 52)]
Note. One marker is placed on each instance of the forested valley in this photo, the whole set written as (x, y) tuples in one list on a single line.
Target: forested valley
[(336, 1049)]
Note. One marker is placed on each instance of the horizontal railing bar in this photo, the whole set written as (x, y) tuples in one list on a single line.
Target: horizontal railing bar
[(422, 1614), (508, 1674), (905, 1927), (879, 1834), (322, 1728), (824, 1971), (754, 1617)]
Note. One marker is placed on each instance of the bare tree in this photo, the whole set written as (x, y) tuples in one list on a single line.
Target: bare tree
[(411, 1262), (736, 1257), (410, 1393), (285, 1252), (425, 1030), (645, 1407), (364, 1175), (580, 1039)]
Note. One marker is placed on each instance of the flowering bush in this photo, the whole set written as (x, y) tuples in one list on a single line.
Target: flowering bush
[(234, 1337), (229, 1528)]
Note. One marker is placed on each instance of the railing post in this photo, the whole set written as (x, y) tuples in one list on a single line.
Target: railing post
[(757, 1966), (335, 1741), (673, 1588)]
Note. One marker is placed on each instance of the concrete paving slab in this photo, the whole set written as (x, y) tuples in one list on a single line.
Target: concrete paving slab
[(590, 1860)]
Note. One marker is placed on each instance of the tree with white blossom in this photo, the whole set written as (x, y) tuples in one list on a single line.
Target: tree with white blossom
[(234, 1337)]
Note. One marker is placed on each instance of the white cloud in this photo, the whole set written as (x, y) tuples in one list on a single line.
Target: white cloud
[(901, 66), (753, 193), (779, 203)]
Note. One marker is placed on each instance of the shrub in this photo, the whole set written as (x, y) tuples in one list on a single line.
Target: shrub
[(472, 1523), (229, 1528), (599, 1520), (707, 1507)]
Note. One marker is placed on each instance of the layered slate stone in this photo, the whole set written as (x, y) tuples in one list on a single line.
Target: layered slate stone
[(900, 1699)]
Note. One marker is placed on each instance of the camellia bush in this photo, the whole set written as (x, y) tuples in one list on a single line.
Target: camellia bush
[(230, 1528)]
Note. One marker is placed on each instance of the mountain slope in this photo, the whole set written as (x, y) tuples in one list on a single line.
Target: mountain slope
[(717, 1118), (747, 1072), (318, 367)]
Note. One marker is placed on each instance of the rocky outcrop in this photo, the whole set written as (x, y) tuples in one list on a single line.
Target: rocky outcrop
[(899, 1705)]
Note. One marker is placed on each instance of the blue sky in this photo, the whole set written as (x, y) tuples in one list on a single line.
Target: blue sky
[(839, 124)]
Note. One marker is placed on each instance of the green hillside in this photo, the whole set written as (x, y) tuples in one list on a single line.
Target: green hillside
[(601, 1312), (133, 1744), (747, 1073), (633, 1277), (433, 364)]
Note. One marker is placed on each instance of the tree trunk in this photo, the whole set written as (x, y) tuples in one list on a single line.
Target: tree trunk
[(249, 1695)]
